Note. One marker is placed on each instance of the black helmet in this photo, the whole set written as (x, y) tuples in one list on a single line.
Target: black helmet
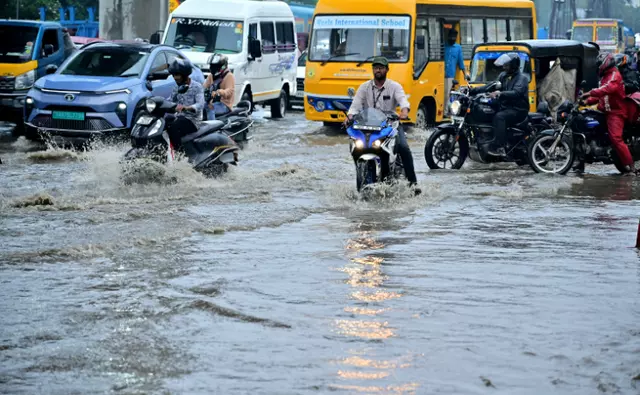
[(510, 61), (180, 67), (218, 64)]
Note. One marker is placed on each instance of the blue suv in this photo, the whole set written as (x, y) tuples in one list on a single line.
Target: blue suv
[(99, 91)]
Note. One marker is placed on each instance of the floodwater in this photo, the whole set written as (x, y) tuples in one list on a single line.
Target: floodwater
[(277, 279)]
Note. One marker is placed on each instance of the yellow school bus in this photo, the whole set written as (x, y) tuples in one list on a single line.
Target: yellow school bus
[(610, 34), (346, 35)]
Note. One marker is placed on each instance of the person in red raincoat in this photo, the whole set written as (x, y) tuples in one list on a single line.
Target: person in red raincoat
[(610, 97)]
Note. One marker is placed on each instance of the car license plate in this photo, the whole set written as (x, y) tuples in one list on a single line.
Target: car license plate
[(68, 115), (300, 94)]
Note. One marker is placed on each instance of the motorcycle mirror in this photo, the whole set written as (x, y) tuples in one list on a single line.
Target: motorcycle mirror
[(339, 106), (583, 84), (467, 77), (183, 89), (455, 82), (498, 85)]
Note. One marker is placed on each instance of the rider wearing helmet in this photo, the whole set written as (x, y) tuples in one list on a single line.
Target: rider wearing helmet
[(513, 99), (189, 97), (630, 76), (221, 84), (610, 97)]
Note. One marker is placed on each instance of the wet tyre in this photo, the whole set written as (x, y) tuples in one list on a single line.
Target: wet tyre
[(365, 174), (559, 162), (279, 106), (445, 150)]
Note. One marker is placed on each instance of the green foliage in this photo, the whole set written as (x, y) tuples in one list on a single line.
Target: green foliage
[(29, 9)]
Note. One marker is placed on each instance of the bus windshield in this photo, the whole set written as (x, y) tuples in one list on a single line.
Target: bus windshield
[(582, 33), (606, 34), (352, 38)]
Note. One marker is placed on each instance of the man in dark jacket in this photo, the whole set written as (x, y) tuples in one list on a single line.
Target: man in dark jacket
[(512, 97)]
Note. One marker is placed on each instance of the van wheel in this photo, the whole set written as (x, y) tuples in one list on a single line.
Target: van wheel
[(279, 106)]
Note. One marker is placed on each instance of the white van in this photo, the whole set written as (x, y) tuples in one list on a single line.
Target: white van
[(258, 37)]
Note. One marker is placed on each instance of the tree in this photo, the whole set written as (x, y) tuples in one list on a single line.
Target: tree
[(29, 9)]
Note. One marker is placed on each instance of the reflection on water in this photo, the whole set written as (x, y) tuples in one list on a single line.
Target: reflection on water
[(367, 280)]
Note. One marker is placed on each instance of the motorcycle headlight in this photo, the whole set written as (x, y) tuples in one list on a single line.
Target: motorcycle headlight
[(359, 144), (150, 105), (156, 128), (377, 144), (455, 107), (26, 80)]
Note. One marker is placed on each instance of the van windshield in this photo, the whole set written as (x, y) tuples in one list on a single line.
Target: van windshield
[(358, 38), (17, 43), (205, 35), (583, 34)]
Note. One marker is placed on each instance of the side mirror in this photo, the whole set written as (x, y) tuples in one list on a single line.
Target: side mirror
[(467, 77), (583, 84), (48, 50), (182, 89), (51, 69), (148, 85), (158, 75), (155, 38), (420, 42), (255, 48), (339, 106), (455, 82)]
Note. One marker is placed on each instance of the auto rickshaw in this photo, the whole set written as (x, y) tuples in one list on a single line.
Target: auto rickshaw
[(555, 68)]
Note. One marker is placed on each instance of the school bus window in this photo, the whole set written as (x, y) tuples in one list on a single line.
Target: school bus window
[(496, 30), (420, 57), (353, 38), (471, 33), (520, 29), (435, 44)]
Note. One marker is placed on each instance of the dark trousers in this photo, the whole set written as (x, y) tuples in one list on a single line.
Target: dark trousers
[(178, 128), (502, 120), (402, 149)]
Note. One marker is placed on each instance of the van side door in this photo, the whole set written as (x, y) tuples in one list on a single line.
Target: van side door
[(51, 50), (269, 78)]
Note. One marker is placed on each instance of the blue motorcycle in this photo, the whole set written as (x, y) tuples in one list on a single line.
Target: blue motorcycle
[(373, 139)]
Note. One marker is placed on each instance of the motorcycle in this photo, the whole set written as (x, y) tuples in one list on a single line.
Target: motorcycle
[(582, 135), (210, 150), (239, 121), (373, 138), (470, 132)]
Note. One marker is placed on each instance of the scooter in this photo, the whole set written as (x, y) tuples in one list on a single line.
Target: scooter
[(210, 150), (238, 121)]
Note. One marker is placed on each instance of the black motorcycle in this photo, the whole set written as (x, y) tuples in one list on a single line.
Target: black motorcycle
[(210, 150), (583, 135), (470, 132)]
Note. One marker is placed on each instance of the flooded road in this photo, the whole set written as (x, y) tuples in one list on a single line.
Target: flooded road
[(277, 279)]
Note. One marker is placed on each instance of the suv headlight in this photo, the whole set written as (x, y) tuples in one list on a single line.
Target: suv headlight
[(26, 80), (455, 107)]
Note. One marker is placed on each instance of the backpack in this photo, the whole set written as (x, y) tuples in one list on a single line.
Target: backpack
[(631, 80)]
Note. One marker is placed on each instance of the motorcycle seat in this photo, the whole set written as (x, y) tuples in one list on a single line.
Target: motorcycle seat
[(536, 116), (206, 128), (522, 125)]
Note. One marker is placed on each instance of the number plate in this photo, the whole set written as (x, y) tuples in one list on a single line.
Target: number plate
[(68, 115), (300, 94)]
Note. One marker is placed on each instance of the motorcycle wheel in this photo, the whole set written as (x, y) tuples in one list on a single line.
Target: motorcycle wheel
[(539, 159), (441, 148), (365, 174)]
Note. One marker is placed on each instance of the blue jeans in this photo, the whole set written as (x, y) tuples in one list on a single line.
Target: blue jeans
[(218, 109)]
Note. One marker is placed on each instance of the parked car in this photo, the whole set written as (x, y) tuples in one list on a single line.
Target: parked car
[(99, 91), (298, 99), (26, 50)]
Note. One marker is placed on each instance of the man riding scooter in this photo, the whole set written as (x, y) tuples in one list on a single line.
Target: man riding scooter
[(610, 97), (513, 99), (189, 97), (220, 85)]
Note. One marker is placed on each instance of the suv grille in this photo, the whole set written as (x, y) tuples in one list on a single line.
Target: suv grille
[(300, 84), (95, 125), (7, 84)]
